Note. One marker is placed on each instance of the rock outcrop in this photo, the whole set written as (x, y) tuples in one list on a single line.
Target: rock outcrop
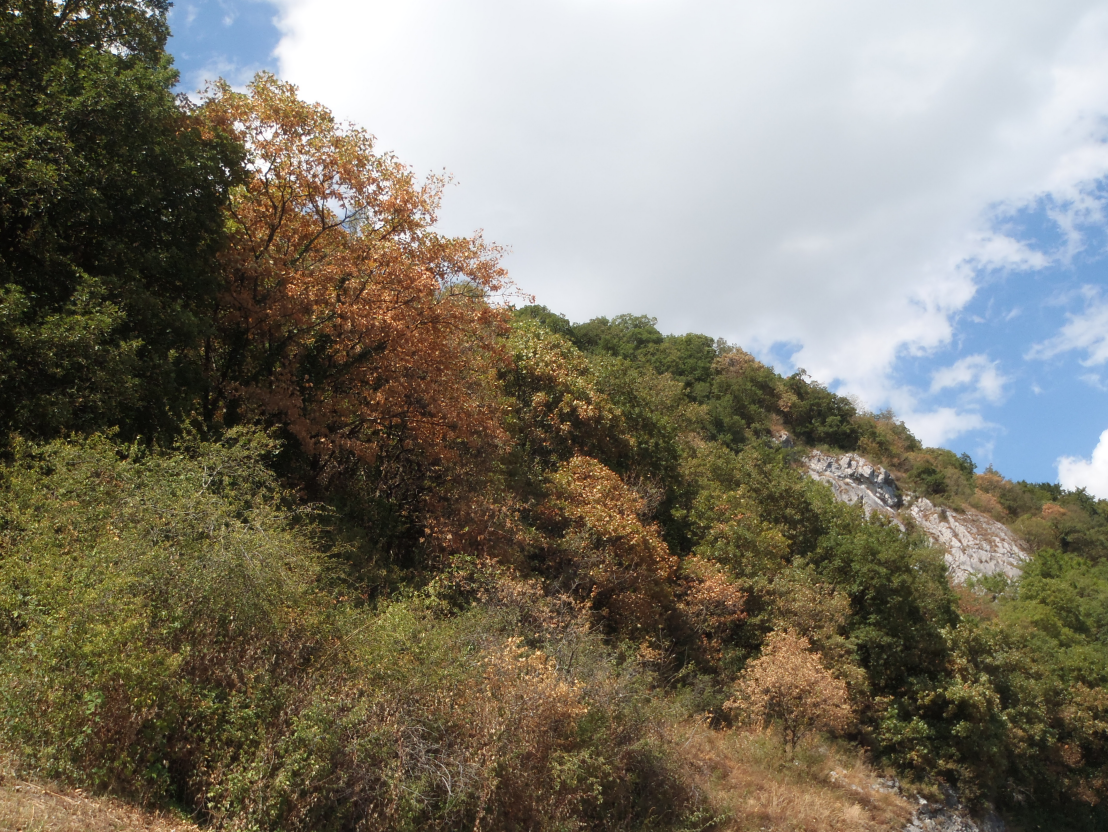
[(937, 818), (854, 480), (974, 543), (949, 816)]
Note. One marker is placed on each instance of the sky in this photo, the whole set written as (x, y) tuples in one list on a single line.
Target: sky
[(908, 201)]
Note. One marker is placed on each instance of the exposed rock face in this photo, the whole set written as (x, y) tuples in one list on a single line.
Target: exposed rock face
[(948, 816), (782, 438), (932, 818), (974, 543), (853, 479)]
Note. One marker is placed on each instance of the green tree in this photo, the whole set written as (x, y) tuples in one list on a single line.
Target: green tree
[(110, 197), (819, 416)]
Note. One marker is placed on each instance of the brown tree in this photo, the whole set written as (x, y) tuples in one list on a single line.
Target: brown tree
[(712, 605), (346, 317), (610, 555), (789, 687)]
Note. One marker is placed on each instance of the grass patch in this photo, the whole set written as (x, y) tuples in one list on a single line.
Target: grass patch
[(756, 785)]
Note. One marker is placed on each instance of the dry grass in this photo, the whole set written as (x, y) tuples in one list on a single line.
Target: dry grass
[(750, 779), (34, 807)]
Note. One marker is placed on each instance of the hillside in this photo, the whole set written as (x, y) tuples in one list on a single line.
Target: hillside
[(309, 524)]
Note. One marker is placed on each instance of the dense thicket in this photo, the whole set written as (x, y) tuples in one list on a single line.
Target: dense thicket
[(303, 529), (110, 221)]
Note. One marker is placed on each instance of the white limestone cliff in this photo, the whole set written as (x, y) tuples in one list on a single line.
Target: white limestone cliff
[(973, 542), (854, 480)]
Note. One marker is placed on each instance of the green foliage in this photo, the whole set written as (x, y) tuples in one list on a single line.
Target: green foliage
[(169, 630), (72, 369), (774, 529), (1065, 597), (1019, 713), (522, 615), (930, 481), (558, 408), (625, 336), (109, 221), (885, 439), (818, 416), (151, 606), (746, 395), (558, 324), (1045, 515), (899, 597), (687, 358)]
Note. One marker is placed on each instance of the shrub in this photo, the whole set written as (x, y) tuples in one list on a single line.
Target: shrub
[(153, 607), (712, 605), (789, 687), (169, 631), (617, 561)]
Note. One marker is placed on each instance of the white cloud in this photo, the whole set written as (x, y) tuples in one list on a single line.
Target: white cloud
[(936, 427), (236, 74), (1090, 474), (824, 174), (983, 453), (1087, 331), (973, 370)]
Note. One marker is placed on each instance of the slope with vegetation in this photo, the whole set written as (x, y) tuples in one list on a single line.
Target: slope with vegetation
[(304, 528)]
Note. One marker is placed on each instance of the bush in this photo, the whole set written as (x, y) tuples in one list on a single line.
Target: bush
[(152, 607), (170, 631), (788, 686), (611, 557)]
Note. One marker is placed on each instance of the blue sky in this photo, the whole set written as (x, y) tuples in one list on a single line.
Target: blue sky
[(909, 203), (229, 39)]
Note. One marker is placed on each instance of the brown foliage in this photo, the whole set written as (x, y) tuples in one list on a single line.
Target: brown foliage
[(1053, 512), (345, 316), (36, 807), (618, 561), (789, 686), (712, 605), (1085, 721), (736, 362), (819, 613), (988, 504), (470, 746)]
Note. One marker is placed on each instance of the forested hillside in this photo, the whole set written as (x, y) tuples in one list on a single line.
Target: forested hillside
[(309, 522)]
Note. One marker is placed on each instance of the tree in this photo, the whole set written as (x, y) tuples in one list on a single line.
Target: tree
[(612, 557), (558, 408), (819, 416), (110, 218), (345, 317), (789, 687)]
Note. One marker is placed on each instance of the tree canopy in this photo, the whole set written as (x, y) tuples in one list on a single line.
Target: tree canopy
[(110, 221)]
